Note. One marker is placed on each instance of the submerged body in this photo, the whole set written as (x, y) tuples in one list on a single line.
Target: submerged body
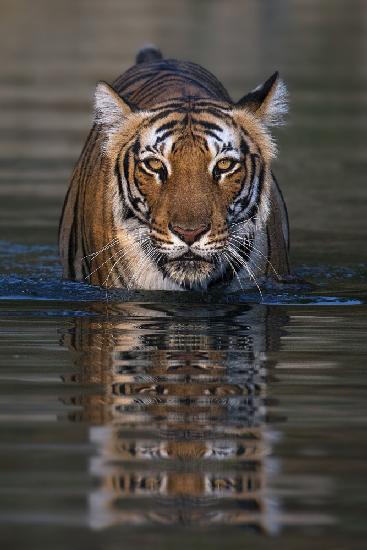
[(174, 188)]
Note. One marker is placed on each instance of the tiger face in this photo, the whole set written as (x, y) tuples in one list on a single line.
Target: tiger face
[(193, 179), (191, 184)]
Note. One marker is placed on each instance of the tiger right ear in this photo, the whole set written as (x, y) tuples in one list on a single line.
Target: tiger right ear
[(110, 108), (268, 101)]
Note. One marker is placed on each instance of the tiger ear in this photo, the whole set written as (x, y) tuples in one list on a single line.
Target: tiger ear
[(110, 108), (268, 101)]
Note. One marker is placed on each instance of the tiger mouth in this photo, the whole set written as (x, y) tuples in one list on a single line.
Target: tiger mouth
[(190, 257), (187, 259)]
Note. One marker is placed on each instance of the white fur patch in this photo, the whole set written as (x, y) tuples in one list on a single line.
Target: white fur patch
[(110, 109), (277, 107)]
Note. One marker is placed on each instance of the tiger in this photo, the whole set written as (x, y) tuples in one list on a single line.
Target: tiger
[(174, 188)]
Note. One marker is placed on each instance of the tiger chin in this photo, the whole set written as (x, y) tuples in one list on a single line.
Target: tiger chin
[(174, 189)]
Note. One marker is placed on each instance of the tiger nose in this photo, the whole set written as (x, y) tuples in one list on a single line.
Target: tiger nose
[(189, 234)]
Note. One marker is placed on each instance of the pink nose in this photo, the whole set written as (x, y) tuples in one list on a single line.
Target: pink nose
[(189, 234)]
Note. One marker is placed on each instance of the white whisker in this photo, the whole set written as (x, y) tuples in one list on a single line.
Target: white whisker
[(233, 269), (257, 251), (99, 267), (244, 264), (105, 247)]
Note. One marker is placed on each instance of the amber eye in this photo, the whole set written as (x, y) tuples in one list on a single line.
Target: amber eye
[(154, 164), (224, 165)]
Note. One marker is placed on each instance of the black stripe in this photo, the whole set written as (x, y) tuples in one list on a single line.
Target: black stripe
[(187, 70), (163, 137), (126, 164), (72, 246), (165, 68), (118, 176), (124, 81), (157, 84), (203, 103), (244, 148), (174, 103), (201, 85), (134, 201), (152, 89), (283, 204), (63, 211), (269, 250), (81, 160), (165, 113), (253, 159), (136, 147), (258, 190), (151, 82), (212, 111), (207, 125), (71, 250), (168, 125), (212, 134), (245, 201), (150, 149), (235, 171)]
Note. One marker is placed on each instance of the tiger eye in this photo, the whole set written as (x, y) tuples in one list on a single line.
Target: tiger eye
[(154, 164), (225, 164)]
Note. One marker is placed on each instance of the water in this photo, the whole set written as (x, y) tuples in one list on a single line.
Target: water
[(184, 420)]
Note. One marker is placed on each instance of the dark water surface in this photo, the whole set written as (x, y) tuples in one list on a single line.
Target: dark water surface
[(179, 420)]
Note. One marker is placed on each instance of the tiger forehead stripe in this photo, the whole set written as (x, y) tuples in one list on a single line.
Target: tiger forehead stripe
[(168, 125), (166, 112), (175, 121), (163, 136), (227, 147), (206, 124)]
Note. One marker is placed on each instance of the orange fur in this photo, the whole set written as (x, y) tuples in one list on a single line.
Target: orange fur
[(125, 224)]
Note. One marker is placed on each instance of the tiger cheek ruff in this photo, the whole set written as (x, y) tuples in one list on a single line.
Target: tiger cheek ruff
[(174, 188)]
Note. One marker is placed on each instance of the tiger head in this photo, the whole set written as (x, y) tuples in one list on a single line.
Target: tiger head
[(192, 180)]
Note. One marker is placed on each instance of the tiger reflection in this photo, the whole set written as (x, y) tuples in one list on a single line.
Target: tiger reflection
[(179, 411)]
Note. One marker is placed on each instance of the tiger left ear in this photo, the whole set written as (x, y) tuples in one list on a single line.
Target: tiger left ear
[(110, 108), (268, 101)]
